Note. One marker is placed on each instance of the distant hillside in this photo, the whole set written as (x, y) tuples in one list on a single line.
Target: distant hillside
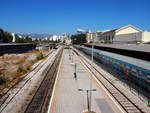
[(36, 35)]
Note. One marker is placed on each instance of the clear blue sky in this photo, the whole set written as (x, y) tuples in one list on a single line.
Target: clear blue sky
[(58, 16)]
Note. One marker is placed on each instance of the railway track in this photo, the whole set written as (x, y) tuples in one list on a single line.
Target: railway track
[(4, 92), (40, 101), (9, 94), (120, 97)]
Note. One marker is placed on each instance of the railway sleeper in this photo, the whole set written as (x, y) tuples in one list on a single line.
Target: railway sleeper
[(133, 110), (123, 101), (122, 98), (128, 106), (45, 89)]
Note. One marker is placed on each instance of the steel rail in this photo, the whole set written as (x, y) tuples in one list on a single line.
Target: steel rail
[(39, 102), (5, 96)]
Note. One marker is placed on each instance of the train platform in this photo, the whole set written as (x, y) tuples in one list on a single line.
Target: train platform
[(133, 47), (66, 97), (141, 51)]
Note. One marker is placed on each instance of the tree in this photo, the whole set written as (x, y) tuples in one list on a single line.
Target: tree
[(8, 37), (36, 40), (58, 41), (78, 38), (64, 41), (5, 37), (28, 39), (22, 40), (17, 39), (1, 35)]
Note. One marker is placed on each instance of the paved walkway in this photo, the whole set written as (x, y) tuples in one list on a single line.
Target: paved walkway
[(67, 98)]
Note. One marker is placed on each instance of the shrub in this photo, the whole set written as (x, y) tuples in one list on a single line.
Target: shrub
[(21, 70), (33, 61), (39, 56), (3, 80), (46, 49), (28, 68)]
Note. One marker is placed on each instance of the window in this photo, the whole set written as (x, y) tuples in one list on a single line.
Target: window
[(128, 67), (134, 70), (112, 36)]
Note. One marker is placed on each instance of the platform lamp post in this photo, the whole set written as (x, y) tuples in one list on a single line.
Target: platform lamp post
[(92, 58), (88, 99), (69, 53), (72, 59), (75, 71)]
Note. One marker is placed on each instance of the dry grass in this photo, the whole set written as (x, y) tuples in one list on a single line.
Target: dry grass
[(16, 65)]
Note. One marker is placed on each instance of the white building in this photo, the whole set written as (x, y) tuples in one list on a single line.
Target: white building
[(126, 34), (89, 37), (55, 37), (96, 35), (145, 36)]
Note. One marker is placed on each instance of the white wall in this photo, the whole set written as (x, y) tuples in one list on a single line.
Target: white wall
[(146, 36), (128, 38)]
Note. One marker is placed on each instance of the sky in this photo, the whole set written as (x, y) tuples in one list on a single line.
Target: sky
[(59, 16)]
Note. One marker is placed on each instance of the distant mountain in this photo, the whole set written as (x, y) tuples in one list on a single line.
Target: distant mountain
[(36, 35)]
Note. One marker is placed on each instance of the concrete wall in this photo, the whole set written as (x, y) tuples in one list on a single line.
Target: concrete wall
[(128, 38), (146, 36)]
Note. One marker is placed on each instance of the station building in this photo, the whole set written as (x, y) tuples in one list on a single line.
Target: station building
[(126, 34)]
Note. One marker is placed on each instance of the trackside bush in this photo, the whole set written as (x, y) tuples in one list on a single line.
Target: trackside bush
[(3, 80), (39, 56)]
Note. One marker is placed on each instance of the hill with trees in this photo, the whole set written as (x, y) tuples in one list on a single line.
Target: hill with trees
[(6, 37)]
